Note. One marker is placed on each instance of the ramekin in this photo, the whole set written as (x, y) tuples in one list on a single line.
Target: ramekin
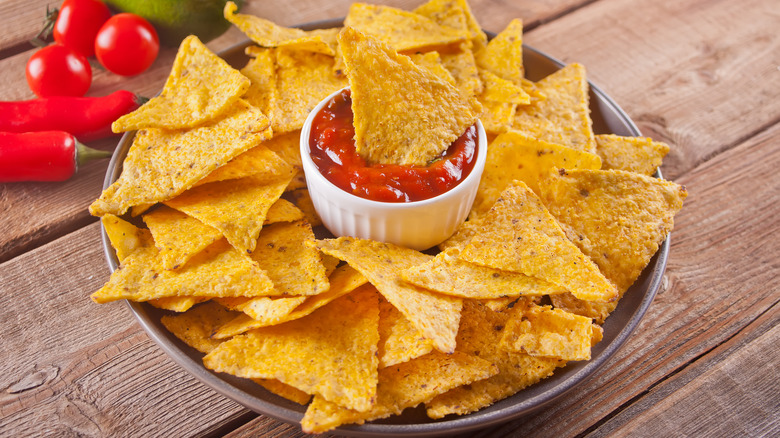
[(418, 225)]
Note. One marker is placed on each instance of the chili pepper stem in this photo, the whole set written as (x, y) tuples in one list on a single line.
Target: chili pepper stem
[(85, 154)]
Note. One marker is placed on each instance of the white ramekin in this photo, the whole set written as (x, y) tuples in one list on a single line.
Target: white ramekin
[(418, 225)]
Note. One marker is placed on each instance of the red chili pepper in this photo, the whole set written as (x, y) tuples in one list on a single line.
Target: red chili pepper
[(87, 118), (42, 156)]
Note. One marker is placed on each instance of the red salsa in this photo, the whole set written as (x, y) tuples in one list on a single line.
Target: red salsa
[(332, 147)]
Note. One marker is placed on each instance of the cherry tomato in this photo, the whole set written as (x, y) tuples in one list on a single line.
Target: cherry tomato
[(78, 22), (127, 44), (56, 70)]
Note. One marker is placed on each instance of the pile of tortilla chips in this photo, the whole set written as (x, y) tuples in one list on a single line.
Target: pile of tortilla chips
[(212, 222)]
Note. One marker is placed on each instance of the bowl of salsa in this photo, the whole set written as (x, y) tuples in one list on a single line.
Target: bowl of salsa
[(413, 206)]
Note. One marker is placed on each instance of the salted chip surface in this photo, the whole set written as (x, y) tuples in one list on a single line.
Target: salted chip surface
[(269, 34), (342, 281), (563, 117), (287, 146), (284, 390), (263, 308), (449, 275), (124, 236), (285, 251), (480, 335), (435, 315), (633, 154), (261, 71), (303, 201), (402, 386), (259, 162), (401, 30), (542, 331), (619, 219), (218, 271), (503, 55), (283, 211), (396, 123), (331, 352), (520, 235), (194, 327), (498, 89), (518, 156), (237, 208), (463, 68), (177, 304), (200, 88), (399, 340), (162, 164), (432, 61), (178, 236)]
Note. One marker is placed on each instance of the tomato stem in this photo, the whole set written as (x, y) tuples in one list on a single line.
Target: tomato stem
[(48, 26)]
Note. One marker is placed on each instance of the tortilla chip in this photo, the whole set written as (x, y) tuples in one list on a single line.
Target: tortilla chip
[(399, 340), (502, 90), (162, 164), (521, 236), (284, 390), (402, 386), (563, 117), (194, 327), (259, 162), (263, 308), (395, 123), (436, 316), (331, 352), (342, 281), (201, 88), (177, 304), (480, 335), (462, 235), (401, 30), (178, 236), (633, 154), (283, 211), (237, 208), (217, 271), (449, 275), (516, 156), (268, 34), (261, 71), (303, 200), (462, 66), (503, 55), (542, 331), (432, 62), (125, 237), (288, 147), (294, 266), (446, 13)]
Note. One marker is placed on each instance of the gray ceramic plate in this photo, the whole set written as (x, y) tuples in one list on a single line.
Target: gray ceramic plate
[(607, 118)]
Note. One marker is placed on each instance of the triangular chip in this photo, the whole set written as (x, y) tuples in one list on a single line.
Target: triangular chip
[(521, 236), (161, 164), (396, 123), (284, 390), (259, 162), (480, 335), (201, 88), (401, 30), (178, 236), (463, 68), (283, 211), (125, 237), (399, 340), (436, 316), (331, 352), (503, 55), (261, 71), (563, 117), (263, 308), (402, 386), (194, 327), (177, 304), (502, 90), (633, 154), (288, 147), (237, 208), (516, 156)]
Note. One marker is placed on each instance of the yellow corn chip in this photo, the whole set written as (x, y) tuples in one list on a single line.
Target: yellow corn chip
[(194, 327), (503, 55), (542, 331), (261, 71), (563, 117), (303, 200), (217, 271), (480, 335), (502, 304), (401, 30), (449, 275), (444, 13), (298, 182), (125, 237), (432, 62), (342, 281), (162, 164), (284, 390), (395, 123), (497, 117), (462, 66), (303, 80), (283, 211), (633, 154), (288, 147), (263, 308), (331, 352), (436, 316), (259, 162), (521, 236), (516, 156), (237, 208), (399, 340), (178, 236), (201, 88), (269, 34), (177, 304), (293, 265), (402, 386), (502, 90), (462, 235)]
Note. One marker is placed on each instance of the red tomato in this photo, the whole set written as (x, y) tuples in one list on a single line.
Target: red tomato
[(78, 22), (56, 70), (127, 44)]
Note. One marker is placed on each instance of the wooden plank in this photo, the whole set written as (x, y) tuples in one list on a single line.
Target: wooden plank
[(715, 395), (700, 75), (71, 367)]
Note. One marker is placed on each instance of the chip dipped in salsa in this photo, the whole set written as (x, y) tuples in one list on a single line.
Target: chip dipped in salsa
[(332, 149)]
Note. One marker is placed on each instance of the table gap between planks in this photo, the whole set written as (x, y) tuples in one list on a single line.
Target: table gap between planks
[(702, 75)]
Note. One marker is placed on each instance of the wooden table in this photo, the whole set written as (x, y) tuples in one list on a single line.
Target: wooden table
[(701, 75)]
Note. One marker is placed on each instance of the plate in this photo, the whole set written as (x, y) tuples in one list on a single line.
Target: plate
[(607, 118)]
